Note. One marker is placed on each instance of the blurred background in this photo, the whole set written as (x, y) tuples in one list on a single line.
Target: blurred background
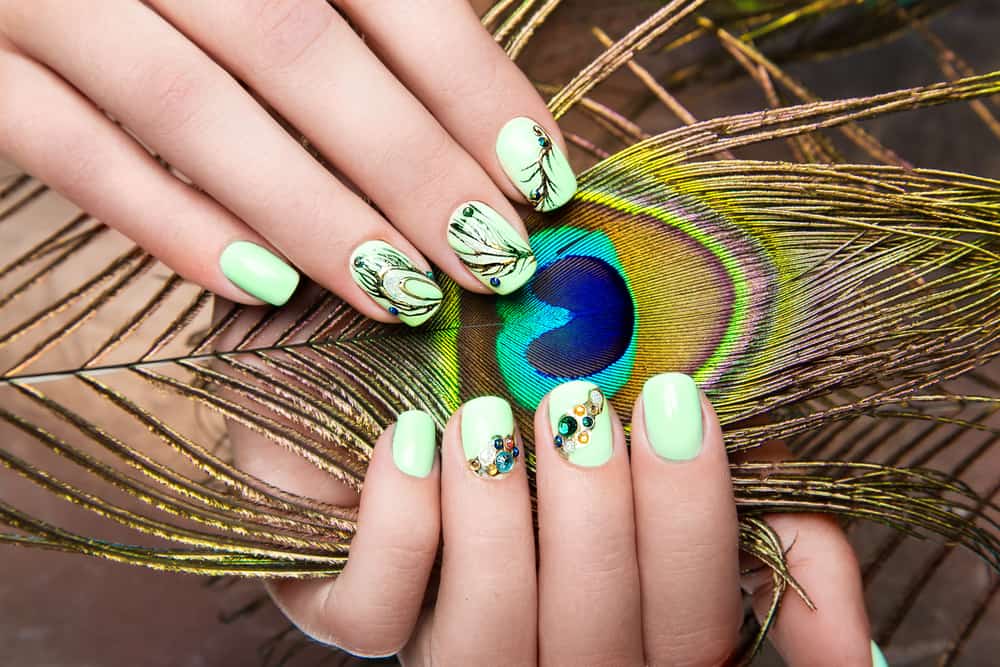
[(67, 611)]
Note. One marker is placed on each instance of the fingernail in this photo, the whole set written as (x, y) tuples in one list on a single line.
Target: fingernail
[(581, 425), (490, 247), (259, 272), (393, 282), (413, 443), (488, 436), (878, 660), (535, 164), (672, 406)]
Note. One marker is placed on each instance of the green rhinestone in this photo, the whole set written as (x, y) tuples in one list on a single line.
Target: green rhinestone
[(468, 211), (567, 426)]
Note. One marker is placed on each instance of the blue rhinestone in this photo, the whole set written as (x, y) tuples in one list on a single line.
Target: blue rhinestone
[(393, 310), (558, 441), (430, 274), (495, 282), (516, 452), (543, 142), (497, 445), (504, 462)]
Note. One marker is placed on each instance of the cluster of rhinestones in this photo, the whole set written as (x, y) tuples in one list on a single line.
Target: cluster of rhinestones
[(496, 458), (573, 428)]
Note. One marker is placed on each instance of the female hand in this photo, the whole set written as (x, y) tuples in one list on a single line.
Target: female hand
[(637, 556), (425, 115)]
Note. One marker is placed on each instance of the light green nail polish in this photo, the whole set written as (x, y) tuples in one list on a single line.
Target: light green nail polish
[(581, 424), (394, 282), (488, 436), (672, 406), (490, 247), (413, 443), (535, 164), (878, 660), (259, 272)]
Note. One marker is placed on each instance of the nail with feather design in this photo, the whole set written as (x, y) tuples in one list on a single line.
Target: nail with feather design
[(395, 283), (490, 247), (535, 164)]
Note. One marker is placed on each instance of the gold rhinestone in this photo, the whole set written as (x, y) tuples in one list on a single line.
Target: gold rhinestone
[(491, 470), (475, 465)]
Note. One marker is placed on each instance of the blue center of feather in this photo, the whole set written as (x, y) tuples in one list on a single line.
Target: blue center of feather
[(574, 321), (601, 324)]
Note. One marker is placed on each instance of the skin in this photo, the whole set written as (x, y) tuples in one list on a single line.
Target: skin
[(418, 142)]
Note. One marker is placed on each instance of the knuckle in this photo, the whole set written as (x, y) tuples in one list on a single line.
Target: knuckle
[(286, 29), (707, 648), (373, 628), (176, 94), (479, 86), (426, 161)]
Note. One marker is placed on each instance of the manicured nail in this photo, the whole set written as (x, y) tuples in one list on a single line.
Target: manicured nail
[(490, 247), (488, 436), (535, 164), (259, 272), (878, 660), (393, 282), (413, 443), (581, 425), (672, 406)]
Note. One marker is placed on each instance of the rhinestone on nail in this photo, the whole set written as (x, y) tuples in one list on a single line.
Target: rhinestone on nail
[(573, 428), (496, 458)]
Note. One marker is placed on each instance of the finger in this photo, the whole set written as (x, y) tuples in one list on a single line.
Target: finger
[(820, 558), (307, 62), (687, 532), (51, 131), (442, 53), (485, 611), (588, 575), (200, 120), (372, 607)]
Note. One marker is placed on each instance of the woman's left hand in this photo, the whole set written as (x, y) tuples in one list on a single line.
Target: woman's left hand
[(636, 560)]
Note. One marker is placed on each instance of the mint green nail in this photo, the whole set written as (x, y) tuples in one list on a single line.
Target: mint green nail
[(488, 436), (259, 272), (394, 282), (535, 164), (672, 406), (579, 415), (490, 247), (413, 443), (878, 660)]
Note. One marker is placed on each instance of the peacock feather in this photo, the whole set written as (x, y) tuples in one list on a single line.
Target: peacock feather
[(821, 294)]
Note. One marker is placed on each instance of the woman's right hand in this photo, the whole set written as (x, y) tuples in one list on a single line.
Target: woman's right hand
[(424, 114), (635, 563)]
